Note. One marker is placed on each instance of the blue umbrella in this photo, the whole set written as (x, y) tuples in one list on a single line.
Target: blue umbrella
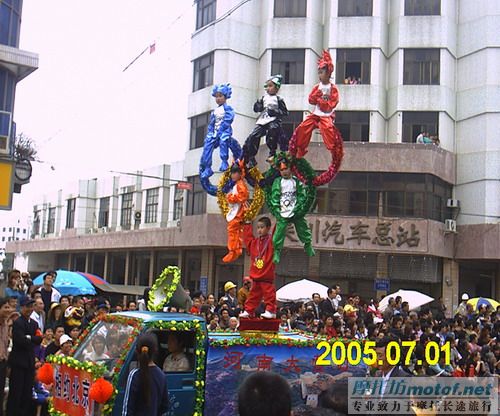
[(70, 283)]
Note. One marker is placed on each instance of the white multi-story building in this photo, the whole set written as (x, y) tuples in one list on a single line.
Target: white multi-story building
[(411, 215)]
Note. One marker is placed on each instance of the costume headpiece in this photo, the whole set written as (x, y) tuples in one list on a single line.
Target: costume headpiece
[(224, 89), (326, 61), (238, 166), (276, 80), (282, 160)]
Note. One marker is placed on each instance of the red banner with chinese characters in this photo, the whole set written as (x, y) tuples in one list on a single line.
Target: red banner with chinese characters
[(71, 391)]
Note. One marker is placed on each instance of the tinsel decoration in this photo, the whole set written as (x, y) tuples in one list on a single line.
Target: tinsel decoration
[(337, 154), (253, 177)]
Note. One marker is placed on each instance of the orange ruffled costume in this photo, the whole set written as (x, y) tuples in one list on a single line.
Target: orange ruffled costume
[(237, 198)]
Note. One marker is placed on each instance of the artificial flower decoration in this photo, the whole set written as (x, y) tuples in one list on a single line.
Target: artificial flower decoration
[(101, 391)]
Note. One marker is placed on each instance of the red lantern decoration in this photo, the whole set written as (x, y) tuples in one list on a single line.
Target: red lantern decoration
[(45, 374), (101, 391)]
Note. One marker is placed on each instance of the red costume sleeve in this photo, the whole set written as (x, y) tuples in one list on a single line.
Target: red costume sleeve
[(241, 196), (315, 95), (248, 237), (328, 105)]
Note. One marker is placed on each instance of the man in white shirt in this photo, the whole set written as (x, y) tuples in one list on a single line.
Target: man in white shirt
[(38, 314)]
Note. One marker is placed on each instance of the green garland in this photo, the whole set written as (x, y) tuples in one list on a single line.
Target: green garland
[(200, 336), (305, 199), (96, 370), (159, 295), (267, 342)]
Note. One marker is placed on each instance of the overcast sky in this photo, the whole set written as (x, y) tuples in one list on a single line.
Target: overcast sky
[(86, 115)]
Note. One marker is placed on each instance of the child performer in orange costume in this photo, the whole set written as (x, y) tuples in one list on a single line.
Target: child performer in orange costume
[(325, 97), (261, 253), (236, 198)]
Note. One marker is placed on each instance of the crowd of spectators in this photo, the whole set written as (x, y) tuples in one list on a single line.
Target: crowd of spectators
[(473, 335)]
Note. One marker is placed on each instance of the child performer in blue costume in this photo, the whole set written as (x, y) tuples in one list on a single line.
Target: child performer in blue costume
[(219, 131)]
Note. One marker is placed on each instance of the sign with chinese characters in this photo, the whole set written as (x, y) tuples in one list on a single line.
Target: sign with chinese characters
[(376, 234), (71, 391)]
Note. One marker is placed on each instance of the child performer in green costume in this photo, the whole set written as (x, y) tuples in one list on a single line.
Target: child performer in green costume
[(289, 201)]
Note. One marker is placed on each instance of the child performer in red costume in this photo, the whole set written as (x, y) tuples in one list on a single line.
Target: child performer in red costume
[(236, 198), (325, 97), (261, 269)]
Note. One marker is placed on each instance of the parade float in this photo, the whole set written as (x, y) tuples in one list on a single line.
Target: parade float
[(219, 361)]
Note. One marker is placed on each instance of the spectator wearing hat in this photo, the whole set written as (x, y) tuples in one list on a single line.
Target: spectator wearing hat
[(244, 291), (55, 345), (230, 298), (49, 293), (462, 307), (25, 336), (66, 343)]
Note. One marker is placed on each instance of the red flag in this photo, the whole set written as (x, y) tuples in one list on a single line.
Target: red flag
[(152, 48)]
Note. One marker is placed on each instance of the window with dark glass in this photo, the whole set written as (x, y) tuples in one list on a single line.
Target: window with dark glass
[(291, 122), (196, 198), (353, 125), (353, 66), (355, 8), (205, 12), (421, 67), (51, 221), (385, 194), (70, 213), (152, 205), (199, 126), (126, 212), (289, 63), (422, 7), (103, 220), (416, 122), (203, 71), (290, 8), (178, 202), (10, 21), (36, 223)]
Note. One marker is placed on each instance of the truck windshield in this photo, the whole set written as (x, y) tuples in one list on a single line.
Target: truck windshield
[(104, 344)]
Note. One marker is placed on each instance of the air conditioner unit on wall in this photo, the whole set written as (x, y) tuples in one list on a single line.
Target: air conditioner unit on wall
[(452, 203), (450, 226)]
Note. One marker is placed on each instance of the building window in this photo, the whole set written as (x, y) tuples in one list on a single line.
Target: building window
[(205, 12), (152, 205), (10, 21), (289, 63), (416, 122), (291, 122), (422, 7), (52, 221), (70, 213), (126, 217), (203, 71), (36, 223), (199, 126), (355, 8), (421, 67), (353, 125), (178, 202), (353, 66), (290, 8), (103, 220), (196, 198), (405, 195)]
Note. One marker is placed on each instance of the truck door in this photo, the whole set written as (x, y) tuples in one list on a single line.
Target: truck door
[(177, 358)]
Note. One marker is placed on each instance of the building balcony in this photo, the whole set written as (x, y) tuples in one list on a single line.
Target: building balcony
[(21, 63)]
